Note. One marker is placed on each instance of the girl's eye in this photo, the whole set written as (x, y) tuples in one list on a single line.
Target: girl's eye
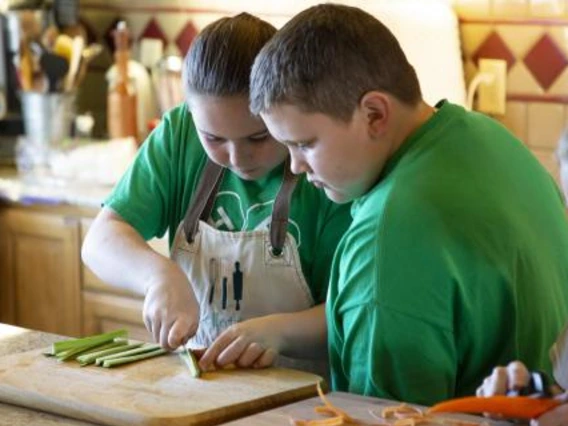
[(211, 138), (259, 138)]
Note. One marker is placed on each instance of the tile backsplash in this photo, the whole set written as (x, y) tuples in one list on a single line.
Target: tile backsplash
[(530, 35)]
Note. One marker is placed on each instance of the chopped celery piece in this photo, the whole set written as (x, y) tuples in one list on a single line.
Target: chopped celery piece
[(91, 357), (132, 352), (113, 344), (189, 359), (80, 350), (128, 359), (65, 345)]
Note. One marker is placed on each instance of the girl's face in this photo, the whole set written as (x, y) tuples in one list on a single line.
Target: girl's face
[(232, 137)]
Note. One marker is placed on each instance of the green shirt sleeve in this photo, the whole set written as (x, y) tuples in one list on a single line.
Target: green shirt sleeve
[(153, 194)]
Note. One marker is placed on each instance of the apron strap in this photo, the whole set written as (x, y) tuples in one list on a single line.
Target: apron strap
[(202, 204), (281, 210)]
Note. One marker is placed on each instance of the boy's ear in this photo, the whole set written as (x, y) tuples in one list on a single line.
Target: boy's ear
[(376, 108)]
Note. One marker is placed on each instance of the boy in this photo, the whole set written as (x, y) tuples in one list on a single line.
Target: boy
[(457, 256)]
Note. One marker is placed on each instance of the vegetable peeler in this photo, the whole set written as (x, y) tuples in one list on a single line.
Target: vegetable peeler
[(526, 403)]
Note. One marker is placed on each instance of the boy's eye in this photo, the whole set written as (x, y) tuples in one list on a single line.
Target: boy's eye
[(303, 145), (259, 138)]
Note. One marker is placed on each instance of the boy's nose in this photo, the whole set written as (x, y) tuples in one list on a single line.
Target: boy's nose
[(297, 165)]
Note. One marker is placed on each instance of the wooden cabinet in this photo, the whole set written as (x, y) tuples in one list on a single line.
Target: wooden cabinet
[(45, 286), (39, 271)]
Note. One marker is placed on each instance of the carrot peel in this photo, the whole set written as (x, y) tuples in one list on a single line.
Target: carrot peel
[(518, 407)]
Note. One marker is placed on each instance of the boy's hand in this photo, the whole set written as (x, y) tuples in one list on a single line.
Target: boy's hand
[(514, 376), (171, 312), (252, 343)]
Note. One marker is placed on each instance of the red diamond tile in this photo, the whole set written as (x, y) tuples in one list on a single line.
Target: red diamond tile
[(185, 37), (545, 61), (153, 30), (494, 48)]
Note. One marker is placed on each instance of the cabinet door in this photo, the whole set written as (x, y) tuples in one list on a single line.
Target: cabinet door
[(40, 270), (108, 312)]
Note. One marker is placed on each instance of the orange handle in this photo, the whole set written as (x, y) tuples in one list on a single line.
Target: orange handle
[(517, 407)]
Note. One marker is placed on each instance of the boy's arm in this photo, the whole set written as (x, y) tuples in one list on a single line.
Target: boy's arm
[(256, 342), (118, 255)]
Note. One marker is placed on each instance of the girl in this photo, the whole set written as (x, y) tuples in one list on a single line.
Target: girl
[(251, 244)]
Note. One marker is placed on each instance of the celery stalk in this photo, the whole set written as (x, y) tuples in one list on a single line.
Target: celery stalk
[(65, 345), (132, 352), (128, 359), (91, 357), (189, 359)]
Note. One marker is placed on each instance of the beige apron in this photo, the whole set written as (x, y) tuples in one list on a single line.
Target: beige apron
[(241, 275)]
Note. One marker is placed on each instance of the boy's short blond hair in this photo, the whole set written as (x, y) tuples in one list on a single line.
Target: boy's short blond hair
[(326, 58)]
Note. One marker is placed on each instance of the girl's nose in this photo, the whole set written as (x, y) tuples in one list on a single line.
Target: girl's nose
[(240, 154)]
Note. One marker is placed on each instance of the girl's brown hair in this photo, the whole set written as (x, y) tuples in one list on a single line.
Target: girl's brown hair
[(220, 58)]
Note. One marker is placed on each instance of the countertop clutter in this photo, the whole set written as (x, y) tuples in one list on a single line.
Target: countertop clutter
[(16, 188)]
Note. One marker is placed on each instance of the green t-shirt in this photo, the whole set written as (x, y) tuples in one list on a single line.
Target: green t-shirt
[(155, 192), (456, 261)]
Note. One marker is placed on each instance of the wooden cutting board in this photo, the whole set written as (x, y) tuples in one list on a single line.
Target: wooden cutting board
[(157, 391)]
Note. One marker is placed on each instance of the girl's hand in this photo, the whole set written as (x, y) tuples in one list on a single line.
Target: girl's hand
[(171, 312), (253, 343)]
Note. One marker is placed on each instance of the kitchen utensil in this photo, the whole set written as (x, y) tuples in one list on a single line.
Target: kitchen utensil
[(89, 53), (55, 68), (166, 76), (224, 294), (122, 120), (66, 12), (511, 407), (158, 391), (25, 71), (213, 272), (238, 285), (539, 386), (47, 121), (76, 54)]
